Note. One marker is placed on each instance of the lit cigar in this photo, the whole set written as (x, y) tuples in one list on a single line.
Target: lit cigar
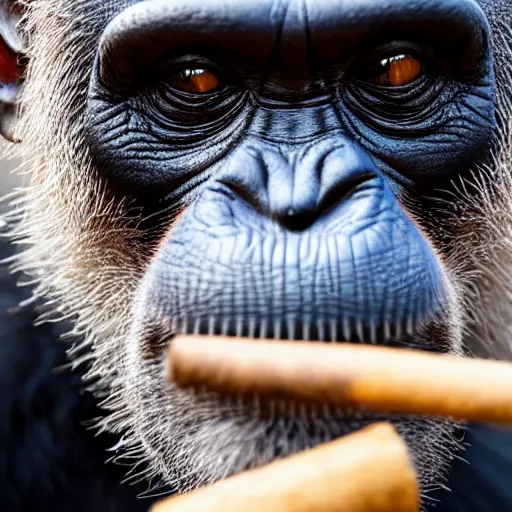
[(368, 471), (378, 378)]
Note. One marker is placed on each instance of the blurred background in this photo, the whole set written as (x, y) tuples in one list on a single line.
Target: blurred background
[(7, 179)]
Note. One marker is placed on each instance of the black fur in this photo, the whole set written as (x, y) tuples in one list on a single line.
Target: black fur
[(483, 481), (49, 462)]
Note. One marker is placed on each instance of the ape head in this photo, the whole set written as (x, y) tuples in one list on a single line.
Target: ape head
[(325, 170)]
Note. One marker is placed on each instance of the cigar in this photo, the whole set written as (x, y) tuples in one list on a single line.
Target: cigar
[(380, 379), (369, 471)]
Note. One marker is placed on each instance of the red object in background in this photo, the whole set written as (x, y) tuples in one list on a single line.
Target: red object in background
[(9, 71)]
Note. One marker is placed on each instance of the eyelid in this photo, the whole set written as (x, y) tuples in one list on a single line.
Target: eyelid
[(198, 60)]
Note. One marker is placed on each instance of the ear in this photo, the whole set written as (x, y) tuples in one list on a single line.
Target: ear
[(11, 66)]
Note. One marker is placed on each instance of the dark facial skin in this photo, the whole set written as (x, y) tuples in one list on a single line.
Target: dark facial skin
[(294, 193), (292, 171)]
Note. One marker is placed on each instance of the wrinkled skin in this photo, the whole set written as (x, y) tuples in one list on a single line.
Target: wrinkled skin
[(301, 198)]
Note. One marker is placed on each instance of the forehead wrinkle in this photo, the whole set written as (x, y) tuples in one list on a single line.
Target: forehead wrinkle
[(291, 58), (278, 14)]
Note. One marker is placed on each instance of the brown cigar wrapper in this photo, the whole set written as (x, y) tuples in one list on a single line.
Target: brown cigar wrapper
[(368, 471), (378, 378)]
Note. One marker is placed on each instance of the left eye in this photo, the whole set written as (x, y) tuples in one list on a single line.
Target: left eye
[(195, 81), (395, 71)]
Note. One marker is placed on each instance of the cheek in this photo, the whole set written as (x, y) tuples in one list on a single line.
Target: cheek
[(450, 142), (144, 157)]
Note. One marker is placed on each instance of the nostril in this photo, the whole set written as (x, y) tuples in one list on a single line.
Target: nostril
[(297, 221), (243, 191), (343, 190)]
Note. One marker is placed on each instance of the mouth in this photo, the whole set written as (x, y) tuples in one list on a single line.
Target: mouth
[(424, 335), (224, 434), (289, 286), (334, 330), (282, 310)]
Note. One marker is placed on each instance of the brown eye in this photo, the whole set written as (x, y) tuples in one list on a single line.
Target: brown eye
[(397, 70), (196, 81)]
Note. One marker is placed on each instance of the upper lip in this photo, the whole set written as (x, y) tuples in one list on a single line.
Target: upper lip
[(333, 330)]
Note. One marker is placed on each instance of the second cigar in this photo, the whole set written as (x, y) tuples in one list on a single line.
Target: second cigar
[(380, 379)]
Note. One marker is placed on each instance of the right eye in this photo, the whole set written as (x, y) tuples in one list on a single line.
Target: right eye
[(393, 71), (195, 81)]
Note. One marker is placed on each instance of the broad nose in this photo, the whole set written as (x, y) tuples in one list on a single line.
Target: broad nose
[(296, 185)]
